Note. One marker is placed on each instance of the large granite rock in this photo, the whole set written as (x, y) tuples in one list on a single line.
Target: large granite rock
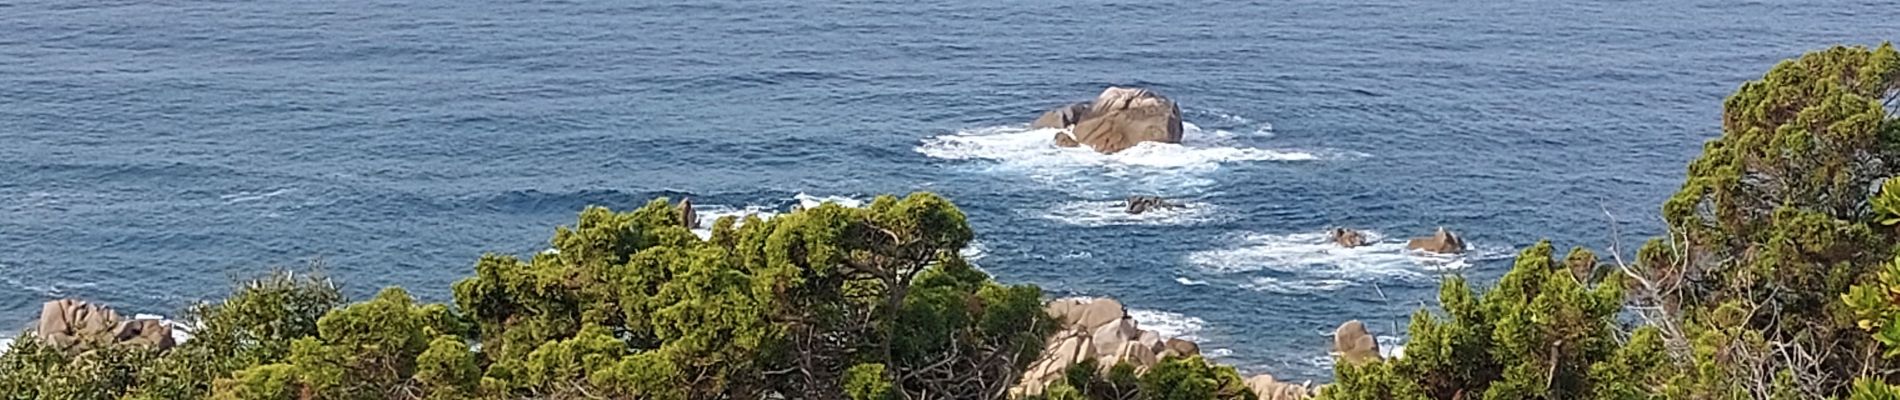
[(1095, 329), (1099, 312), (1110, 337), (1443, 242), (1118, 119), (77, 326), (1354, 344)]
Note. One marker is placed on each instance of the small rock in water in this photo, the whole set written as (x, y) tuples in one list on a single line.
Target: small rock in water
[(1348, 238), (1442, 242), (1142, 204)]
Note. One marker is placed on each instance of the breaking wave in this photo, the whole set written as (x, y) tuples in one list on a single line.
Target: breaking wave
[(1149, 167), (1106, 213), (709, 213), (1168, 324), (1311, 262)]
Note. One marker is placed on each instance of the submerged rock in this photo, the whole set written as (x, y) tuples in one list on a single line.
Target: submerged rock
[(1443, 242), (1348, 238), (1118, 119), (1142, 204)]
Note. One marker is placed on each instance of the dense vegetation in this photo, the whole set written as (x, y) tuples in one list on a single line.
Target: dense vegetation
[(829, 302), (1779, 279)]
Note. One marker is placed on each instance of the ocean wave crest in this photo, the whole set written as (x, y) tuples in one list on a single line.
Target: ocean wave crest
[(1168, 324), (1311, 262)]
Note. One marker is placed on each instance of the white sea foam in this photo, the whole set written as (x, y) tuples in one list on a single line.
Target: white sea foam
[(976, 250), (1315, 255), (1106, 213), (1148, 167), (809, 201), (1389, 347), (1185, 281), (241, 197), (1274, 285), (709, 213), (1168, 324)]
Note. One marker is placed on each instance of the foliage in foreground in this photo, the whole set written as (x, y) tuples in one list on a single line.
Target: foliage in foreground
[(824, 303), (1778, 279)]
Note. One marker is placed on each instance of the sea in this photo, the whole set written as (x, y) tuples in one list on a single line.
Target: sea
[(153, 151)]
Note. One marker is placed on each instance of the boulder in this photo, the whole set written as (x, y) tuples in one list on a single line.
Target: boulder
[(1442, 242), (1065, 311), (1066, 353), (688, 217), (1098, 312), (1135, 353), (53, 317), (1267, 388), (1110, 337), (1348, 238), (145, 332), (1354, 344), (1062, 117), (1152, 340), (1142, 204), (1118, 119), (1094, 329), (1183, 347)]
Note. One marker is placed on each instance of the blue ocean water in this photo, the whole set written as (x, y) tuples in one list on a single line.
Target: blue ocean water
[(150, 150)]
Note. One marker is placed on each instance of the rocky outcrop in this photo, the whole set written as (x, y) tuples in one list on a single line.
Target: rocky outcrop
[(77, 326), (1098, 329), (1347, 238), (1442, 242), (1267, 388), (1354, 344), (1142, 204), (1118, 119)]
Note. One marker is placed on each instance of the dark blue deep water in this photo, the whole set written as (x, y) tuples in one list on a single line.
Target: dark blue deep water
[(150, 150)]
